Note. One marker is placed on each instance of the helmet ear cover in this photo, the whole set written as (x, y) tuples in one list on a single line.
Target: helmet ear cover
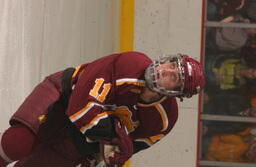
[(191, 76), (194, 76)]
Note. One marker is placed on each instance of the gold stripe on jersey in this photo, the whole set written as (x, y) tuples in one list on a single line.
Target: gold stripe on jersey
[(152, 104), (76, 71), (145, 140), (151, 140), (94, 121), (80, 113), (163, 115), (156, 138), (132, 81), (83, 111)]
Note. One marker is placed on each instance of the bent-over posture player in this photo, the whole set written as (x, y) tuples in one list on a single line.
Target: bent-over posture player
[(111, 108)]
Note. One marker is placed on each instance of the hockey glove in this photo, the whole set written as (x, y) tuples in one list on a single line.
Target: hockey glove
[(116, 152)]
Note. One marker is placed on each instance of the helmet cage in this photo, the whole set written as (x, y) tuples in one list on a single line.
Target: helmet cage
[(152, 80)]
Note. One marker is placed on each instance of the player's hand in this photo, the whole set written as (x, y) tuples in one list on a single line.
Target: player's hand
[(122, 148), (107, 151)]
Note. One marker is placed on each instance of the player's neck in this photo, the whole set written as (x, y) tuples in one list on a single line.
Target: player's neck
[(149, 96)]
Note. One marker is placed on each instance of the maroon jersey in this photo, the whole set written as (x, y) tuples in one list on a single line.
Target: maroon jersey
[(109, 83), (112, 85), (156, 120)]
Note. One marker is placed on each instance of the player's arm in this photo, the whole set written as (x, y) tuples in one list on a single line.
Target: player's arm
[(156, 122), (98, 128), (100, 131), (144, 143)]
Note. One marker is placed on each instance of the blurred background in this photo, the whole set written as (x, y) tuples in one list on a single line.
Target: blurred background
[(228, 129), (214, 129)]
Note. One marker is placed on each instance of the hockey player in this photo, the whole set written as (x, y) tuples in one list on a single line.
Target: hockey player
[(113, 107)]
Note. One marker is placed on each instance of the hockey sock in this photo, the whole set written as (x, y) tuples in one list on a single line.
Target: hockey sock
[(15, 143)]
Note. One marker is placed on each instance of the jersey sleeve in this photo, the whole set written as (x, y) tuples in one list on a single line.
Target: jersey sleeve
[(156, 121), (90, 94)]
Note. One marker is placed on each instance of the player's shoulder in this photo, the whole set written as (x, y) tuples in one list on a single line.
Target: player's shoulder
[(131, 64), (135, 56), (170, 103), (133, 61)]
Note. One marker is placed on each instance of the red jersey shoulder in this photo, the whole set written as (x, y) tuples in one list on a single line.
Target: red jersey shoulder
[(156, 118), (129, 75), (171, 107), (123, 65), (131, 65)]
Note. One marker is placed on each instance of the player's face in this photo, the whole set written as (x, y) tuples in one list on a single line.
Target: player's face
[(168, 76)]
